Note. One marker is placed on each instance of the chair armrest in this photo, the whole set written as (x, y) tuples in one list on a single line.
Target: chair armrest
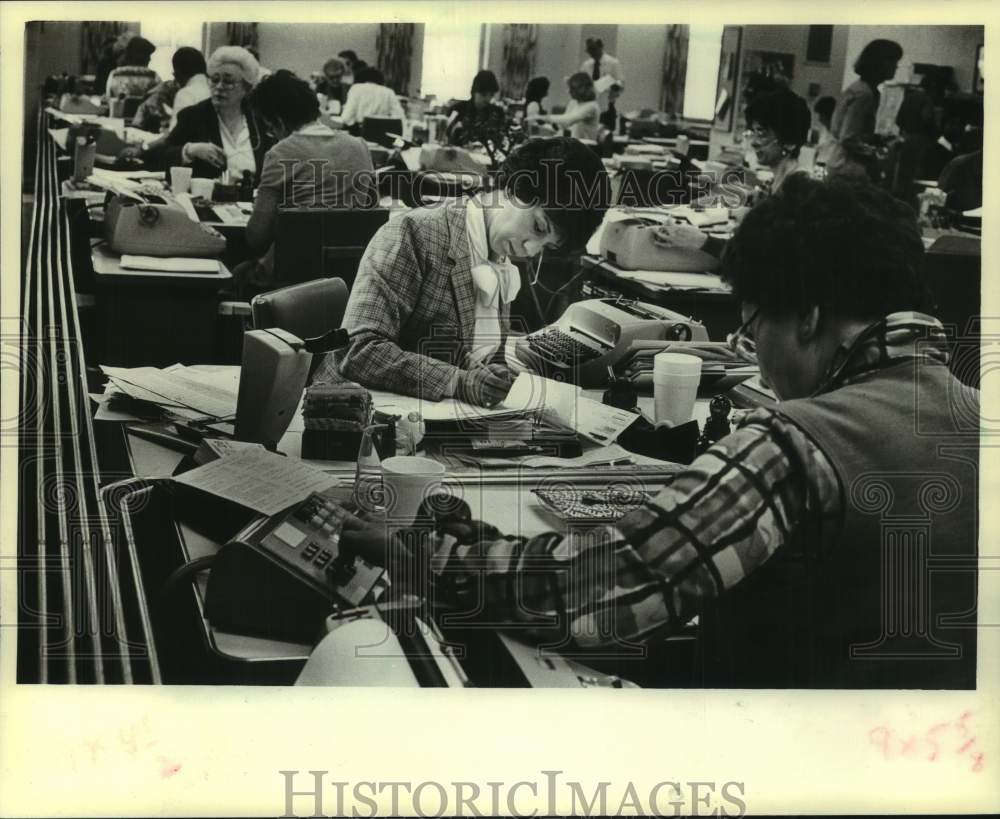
[(235, 308)]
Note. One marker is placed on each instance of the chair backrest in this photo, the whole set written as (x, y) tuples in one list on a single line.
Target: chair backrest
[(374, 129), (311, 243), (953, 267), (306, 310)]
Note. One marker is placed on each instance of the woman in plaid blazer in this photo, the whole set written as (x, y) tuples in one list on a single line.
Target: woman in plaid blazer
[(432, 279)]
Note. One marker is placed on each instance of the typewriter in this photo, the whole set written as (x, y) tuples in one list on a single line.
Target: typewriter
[(594, 334), (157, 228)]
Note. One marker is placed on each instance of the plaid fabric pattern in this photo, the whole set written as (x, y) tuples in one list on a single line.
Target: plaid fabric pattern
[(719, 520), (411, 313)]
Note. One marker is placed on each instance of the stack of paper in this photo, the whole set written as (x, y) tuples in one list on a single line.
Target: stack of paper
[(186, 393), (170, 264)]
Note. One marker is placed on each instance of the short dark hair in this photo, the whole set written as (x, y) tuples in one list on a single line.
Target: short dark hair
[(873, 55), (138, 51), (824, 108), (847, 247), (536, 90), (347, 54), (485, 82), (785, 113), (283, 96), (189, 62), (581, 87), (369, 74), (567, 179)]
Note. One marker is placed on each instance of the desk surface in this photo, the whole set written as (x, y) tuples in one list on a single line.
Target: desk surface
[(108, 265), (511, 507)]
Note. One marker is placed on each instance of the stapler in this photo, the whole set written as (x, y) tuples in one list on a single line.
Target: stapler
[(146, 229), (630, 244)]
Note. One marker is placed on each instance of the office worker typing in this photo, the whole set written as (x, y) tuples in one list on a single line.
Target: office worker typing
[(222, 133), (779, 126), (429, 309), (774, 536)]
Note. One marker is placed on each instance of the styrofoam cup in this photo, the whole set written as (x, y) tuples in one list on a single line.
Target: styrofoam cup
[(675, 387), (203, 188), (407, 480), (180, 179)]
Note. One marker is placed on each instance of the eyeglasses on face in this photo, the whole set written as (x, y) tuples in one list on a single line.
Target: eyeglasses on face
[(760, 135), (742, 342), (223, 82)]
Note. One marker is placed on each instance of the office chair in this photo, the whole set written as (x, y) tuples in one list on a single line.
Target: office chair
[(374, 129), (310, 243), (306, 310)]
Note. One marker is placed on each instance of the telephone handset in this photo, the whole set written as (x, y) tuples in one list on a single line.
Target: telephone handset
[(282, 576)]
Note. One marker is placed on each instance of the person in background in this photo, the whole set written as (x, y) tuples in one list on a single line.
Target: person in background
[(369, 97), (112, 51), (582, 116), (134, 77), (779, 127), (153, 114), (354, 66), (221, 133), (776, 537), (597, 65), (600, 64), (535, 93), (331, 84), (962, 178), (823, 110), (190, 71), (429, 312), (853, 124), (477, 115), (312, 166)]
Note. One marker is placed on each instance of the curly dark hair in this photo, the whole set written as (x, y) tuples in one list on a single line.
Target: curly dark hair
[(567, 179), (283, 96), (785, 113), (847, 247)]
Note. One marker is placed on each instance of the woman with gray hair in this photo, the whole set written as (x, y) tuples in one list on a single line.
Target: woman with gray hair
[(222, 133)]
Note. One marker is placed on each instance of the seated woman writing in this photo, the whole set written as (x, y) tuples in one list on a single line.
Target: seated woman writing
[(582, 115), (429, 311), (313, 166)]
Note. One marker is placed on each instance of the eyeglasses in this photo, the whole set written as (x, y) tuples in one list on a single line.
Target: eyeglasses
[(223, 82), (742, 342), (762, 135)]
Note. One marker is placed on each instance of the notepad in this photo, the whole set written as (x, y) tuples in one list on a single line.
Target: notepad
[(170, 264)]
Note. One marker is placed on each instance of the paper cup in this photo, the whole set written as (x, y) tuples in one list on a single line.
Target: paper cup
[(203, 188), (675, 387), (407, 481), (180, 180)]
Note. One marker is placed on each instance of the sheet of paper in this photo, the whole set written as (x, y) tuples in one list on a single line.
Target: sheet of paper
[(602, 84), (172, 264), (231, 213), (600, 423), (210, 399), (259, 480), (658, 278), (60, 135)]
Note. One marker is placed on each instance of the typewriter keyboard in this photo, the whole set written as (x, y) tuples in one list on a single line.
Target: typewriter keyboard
[(553, 344)]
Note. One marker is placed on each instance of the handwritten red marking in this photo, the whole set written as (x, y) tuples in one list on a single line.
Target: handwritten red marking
[(929, 744)]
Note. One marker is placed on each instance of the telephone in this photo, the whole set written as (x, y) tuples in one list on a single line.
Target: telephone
[(146, 229), (630, 244), (594, 334), (282, 576)]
